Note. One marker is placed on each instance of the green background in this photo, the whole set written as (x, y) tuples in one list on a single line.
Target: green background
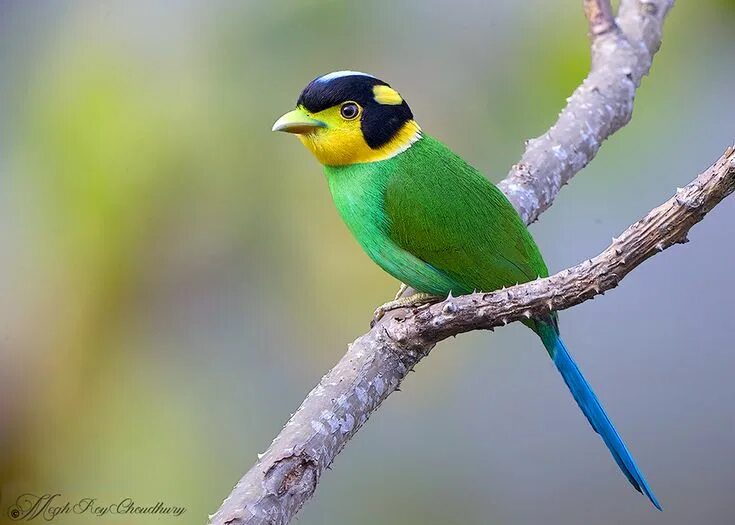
[(174, 278)]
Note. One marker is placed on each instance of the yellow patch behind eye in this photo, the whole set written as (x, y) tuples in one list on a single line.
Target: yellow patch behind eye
[(387, 96)]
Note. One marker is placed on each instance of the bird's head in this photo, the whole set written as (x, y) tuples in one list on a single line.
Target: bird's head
[(347, 117)]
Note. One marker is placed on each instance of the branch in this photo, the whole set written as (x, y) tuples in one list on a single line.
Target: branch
[(286, 475), (600, 106), (375, 364)]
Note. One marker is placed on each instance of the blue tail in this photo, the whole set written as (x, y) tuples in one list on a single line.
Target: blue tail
[(590, 405)]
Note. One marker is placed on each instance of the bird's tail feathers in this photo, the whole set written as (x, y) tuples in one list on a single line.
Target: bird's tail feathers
[(592, 408)]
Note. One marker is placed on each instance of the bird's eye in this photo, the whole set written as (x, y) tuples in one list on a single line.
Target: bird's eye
[(349, 110)]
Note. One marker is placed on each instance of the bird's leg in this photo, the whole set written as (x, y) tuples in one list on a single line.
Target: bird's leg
[(416, 299), (402, 289)]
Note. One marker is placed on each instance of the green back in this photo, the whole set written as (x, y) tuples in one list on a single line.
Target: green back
[(434, 222)]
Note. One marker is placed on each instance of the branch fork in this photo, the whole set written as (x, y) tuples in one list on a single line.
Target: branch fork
[(287, 474)]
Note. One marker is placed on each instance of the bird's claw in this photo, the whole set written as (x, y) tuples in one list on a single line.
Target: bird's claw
[(378, 314), (417, 299)]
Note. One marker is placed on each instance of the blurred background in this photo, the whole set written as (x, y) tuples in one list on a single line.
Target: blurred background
[(174, 278)]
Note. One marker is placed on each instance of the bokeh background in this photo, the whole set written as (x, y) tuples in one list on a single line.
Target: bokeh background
[(174, 278)]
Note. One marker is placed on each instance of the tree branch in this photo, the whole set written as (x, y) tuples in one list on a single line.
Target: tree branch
[(375, 364), (600, 106), (286, 475)]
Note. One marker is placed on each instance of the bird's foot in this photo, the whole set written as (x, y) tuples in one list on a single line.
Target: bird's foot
[(416, 299), (402, 289)]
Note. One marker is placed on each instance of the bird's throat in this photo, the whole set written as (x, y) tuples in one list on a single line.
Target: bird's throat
[(344, 149)]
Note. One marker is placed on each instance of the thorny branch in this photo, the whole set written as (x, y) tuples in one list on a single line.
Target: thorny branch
[(287, 474)]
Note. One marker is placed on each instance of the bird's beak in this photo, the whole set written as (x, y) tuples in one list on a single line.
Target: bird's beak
[(297, 121)]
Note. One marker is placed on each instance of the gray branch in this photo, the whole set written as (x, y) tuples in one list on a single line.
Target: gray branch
[(621, 55), (376, 363), (286, 475)]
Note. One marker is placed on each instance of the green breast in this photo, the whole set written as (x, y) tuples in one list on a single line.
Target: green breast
[(359, 193)]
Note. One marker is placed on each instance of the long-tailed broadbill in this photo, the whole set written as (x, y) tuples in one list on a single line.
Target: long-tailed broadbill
[(427, 217)]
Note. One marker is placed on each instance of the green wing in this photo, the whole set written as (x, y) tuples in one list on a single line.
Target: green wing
[(444, 212)]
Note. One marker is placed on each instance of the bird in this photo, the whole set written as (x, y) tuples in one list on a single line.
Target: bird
[(428, 218)]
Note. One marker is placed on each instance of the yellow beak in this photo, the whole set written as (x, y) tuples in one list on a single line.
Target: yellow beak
[(297, 121)]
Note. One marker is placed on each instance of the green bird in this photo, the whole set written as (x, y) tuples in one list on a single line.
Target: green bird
[(427, 217)]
